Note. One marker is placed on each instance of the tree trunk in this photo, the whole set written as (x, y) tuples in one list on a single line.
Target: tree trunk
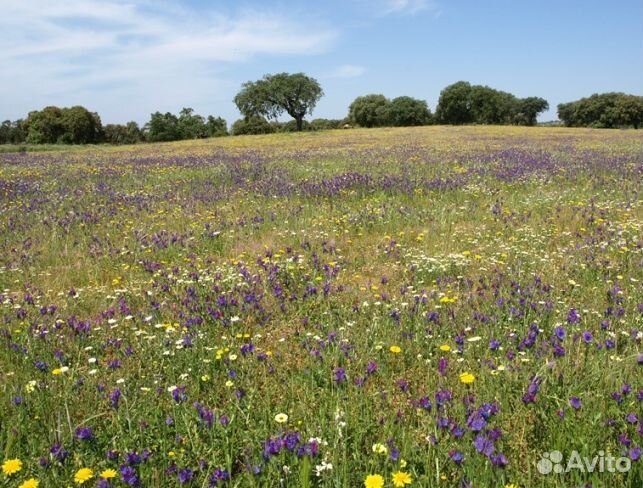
[(300, 123)]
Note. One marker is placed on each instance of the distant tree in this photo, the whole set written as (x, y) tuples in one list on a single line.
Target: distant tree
[(370, 110), (296, 94), (630, 110), (129, 133), (490, 106), (77, 125), (407, 111), (163, 127), (291, 126), (603, 110), (527, 110), (134, 134), (5, 132), (80, 126), (114, 134), (44, 126), (188, 125), (567, 114), (216, 127), (278, 126), (51, 125), (191, 125), (252, 125), (98, 126), (463, 103), (597, 110), (455, 104), (326, 124), (17, 132)]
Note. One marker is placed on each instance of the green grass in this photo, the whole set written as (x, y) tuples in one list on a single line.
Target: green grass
[(272, 274)]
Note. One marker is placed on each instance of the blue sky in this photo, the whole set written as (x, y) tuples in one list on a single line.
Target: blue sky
[(128, 58)]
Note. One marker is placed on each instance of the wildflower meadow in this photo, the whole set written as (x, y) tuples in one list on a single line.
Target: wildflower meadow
[(415, 307)]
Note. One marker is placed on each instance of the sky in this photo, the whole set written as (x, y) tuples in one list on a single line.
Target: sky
[(128, 58)]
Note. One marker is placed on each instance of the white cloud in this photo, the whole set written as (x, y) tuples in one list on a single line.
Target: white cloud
[(140, 52), (347, 71), (407, 7)]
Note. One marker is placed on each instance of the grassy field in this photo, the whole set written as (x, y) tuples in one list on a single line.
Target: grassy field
[(421, 307)]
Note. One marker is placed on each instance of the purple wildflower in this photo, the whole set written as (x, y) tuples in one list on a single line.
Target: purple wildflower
[(371, 367), (442, 397), (133, 458), (218, 475), (59, 452), (394, 454), (484, 445), (129, 476), (499, 460), (41, 366), (532, 391), (179, 395), (575, 403), (456, 456), (635, 453), (114, 398), (425, 403), (443, 364), (572, 316), (494, 434), (476, 422), (84, 433), (457, 432), (560, 333), (339, 375), (290, 440), (403, 385), (185, 476)]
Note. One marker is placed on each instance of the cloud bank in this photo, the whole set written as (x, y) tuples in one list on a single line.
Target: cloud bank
[(347, 71), (135, 52)]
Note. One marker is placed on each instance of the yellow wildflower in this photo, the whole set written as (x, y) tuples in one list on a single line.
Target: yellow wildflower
[(467, 378), (379, 448), (374, 481), (400, 479), (281, 418), (108, 473), (30, 483), (11, 466), (82, 475)]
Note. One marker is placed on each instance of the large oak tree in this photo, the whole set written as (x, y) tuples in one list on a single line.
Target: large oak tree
[(296, 94)]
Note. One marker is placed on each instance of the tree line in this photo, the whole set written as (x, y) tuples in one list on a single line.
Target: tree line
[(463, 103), (77, 125), (460, 103), (263, 101), (603, 110)]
